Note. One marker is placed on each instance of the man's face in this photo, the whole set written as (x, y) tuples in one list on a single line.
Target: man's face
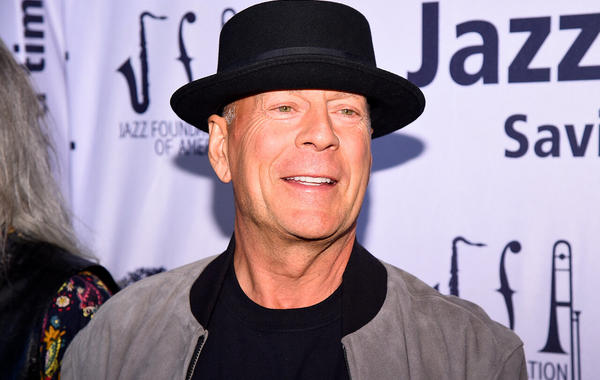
[(299, 162)]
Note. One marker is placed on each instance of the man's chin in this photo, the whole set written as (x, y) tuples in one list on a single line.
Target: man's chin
[(318, 233), (313, 237)]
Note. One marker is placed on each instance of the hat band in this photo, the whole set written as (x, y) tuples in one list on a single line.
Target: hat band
[(301, 50)]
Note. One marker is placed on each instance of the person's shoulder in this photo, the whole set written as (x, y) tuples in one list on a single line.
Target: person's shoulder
[(164, 287), (177, 277), (73, 306), (435, 322), (153, 310), (448, 313), (159, 296)]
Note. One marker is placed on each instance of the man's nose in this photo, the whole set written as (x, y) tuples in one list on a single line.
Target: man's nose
[(317, 130)]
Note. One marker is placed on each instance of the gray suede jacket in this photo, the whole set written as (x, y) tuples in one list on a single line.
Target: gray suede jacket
[(394, 327)]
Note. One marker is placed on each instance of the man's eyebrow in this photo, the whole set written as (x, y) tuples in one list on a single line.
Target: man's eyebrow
[(341, 94)]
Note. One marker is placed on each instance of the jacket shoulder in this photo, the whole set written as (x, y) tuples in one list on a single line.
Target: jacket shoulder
[(147, 320), (447, 311), (165, 282), (420, 333)]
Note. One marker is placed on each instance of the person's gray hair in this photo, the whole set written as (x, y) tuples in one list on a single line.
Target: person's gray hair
[(229, 113), (31, 203)]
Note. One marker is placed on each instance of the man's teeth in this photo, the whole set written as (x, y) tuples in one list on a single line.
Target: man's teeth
[(312, 181)]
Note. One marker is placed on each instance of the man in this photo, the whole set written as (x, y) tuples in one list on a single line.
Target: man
[(294, 295)]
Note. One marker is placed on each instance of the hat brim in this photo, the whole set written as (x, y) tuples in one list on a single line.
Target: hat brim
[(394, 101)]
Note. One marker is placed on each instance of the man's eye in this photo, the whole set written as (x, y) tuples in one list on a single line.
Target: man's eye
[(348, 112), (284, 108)]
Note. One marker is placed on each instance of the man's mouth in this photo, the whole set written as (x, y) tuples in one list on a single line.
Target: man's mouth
[(311, 181)]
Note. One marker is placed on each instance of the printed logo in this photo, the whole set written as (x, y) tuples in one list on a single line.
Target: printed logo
[(546, 142), (185, 60), (544, 364), (33, 33), (548, 138), (505, 290), (561, 296), (170, 137), (33, 37), (139, 105), (569, 68)]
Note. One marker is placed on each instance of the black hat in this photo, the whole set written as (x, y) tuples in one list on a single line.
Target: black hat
[(289, 45)]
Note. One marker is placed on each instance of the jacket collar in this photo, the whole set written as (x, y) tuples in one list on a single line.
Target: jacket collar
[(364, 288)]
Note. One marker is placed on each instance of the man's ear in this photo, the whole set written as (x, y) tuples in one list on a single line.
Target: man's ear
[(217, 147)]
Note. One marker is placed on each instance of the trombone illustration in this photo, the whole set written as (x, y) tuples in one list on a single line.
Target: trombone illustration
[(562, 264)]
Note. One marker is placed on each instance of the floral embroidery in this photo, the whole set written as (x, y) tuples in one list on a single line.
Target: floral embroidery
[(55, 321), (54, 341), (63, 301), (75, 303), (89, 311)]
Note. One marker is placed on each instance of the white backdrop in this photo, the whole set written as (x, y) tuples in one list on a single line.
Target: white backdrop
[(506, 154)]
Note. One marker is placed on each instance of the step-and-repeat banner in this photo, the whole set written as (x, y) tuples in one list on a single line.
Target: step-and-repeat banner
[(492, 195)]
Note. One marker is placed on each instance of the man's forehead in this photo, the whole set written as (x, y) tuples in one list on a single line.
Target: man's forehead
[(330, 93), (257, 101)]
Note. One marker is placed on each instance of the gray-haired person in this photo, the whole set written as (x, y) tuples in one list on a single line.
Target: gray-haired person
[(48, 290), (294, 296)]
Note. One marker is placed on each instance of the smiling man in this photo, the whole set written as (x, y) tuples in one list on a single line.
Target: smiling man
[(300, 163), (291, 113)]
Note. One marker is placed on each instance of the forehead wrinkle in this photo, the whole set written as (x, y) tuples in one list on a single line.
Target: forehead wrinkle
[(335, 94), (342, 94)]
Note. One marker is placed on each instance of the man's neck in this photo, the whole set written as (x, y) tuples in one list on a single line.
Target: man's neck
[(290, 274)]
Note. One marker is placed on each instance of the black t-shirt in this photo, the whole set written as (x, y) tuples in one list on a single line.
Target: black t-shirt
[(248, 341)]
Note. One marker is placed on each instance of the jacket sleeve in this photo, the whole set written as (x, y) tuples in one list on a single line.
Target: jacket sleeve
[(145, 331), (85, 353), (514, 367)]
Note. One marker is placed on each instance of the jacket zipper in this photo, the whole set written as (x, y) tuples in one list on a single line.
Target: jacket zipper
[(195, 357), (346, 361)]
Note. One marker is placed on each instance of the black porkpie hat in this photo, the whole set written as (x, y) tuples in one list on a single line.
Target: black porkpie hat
[(289, 45)]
